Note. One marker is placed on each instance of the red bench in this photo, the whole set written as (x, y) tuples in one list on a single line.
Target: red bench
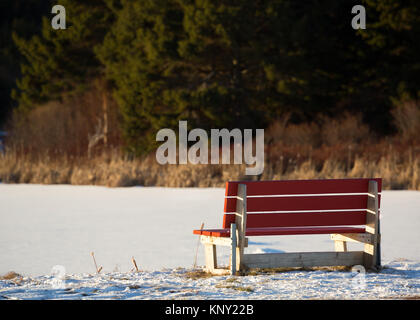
[(348, 209)]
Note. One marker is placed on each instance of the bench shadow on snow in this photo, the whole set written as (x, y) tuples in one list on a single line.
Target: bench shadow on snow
[(268, 250), (408, 269), (258, 243)]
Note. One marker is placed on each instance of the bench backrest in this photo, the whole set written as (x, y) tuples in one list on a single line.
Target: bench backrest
[(298, 203)]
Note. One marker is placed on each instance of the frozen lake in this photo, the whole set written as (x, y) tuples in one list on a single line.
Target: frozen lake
[(46, 225)]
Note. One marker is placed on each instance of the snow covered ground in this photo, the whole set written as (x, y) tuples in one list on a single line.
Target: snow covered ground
[(399, 280), (45, 226)]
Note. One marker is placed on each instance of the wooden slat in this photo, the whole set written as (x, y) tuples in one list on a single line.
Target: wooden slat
[(301, 230), (220, 241), (353, 237), (302, 186), (300, 203), (228, 219), (303, 259), (281, 231), (300, 219), (340, 246), (213, 232)]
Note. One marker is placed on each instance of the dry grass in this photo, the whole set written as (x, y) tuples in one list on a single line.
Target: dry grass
[(324, 149), (10, 276), (197, 274), (406, 116), (403, 298), (265, 271), (398, 170), (234, 287)]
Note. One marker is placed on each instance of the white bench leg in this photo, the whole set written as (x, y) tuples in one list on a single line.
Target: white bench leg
[(211, 258), (233, 249)]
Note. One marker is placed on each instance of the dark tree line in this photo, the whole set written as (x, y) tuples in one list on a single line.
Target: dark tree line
[(220, 64)]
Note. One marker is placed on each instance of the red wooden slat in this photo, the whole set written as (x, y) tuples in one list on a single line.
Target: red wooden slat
[(300, 219), (300, 203), (213, 232), (280, 231), (301, 230), (228, 219), (255, 188), (230, 203)]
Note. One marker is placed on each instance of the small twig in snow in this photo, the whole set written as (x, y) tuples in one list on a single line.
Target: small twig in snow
[(135, 264), (94, 261)]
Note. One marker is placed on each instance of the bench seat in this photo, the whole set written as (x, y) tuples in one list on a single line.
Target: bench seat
[(276, 231)]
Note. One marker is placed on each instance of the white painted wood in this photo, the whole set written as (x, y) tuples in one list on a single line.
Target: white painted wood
[(240, 221), (302, 259), (220, 241), (372, 259), (340, 246), (233, 249), (210, 255), (353, 237)]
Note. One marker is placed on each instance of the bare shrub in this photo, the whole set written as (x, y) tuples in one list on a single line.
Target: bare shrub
[(302, 134), (58, 128), (407, 118), (276, 131), (347, 129), (288, 134)]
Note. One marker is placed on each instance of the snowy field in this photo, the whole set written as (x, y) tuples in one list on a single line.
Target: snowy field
[(45, 226)]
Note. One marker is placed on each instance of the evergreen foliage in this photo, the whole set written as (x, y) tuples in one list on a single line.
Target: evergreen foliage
[(62, 62), (225, 63)]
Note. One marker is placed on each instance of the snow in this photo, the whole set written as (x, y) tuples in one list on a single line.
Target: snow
[(399, 280), (44, 226)]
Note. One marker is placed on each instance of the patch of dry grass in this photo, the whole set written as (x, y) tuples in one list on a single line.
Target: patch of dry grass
[(234, 287), (265, 271), (197, 274), (10, 276), (403, 298)]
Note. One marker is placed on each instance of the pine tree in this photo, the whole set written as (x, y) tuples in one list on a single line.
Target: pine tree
[(394, 35), (58, 63), (227, 63), (23, 17)]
